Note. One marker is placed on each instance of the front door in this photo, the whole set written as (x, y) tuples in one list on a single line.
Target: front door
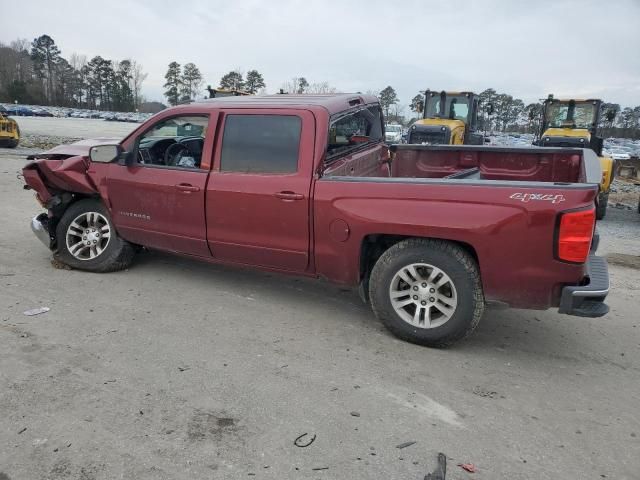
[(159, 200), (258, 194)]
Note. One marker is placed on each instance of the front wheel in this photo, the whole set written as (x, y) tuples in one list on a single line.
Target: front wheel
[(87, 240), (427, 292)]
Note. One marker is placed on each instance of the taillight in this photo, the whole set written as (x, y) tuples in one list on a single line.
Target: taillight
[(575, 234)]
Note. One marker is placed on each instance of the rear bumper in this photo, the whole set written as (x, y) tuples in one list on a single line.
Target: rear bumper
[(588, 300), (39, 226)]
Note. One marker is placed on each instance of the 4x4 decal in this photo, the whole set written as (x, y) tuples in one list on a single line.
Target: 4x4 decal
[(548, 197)]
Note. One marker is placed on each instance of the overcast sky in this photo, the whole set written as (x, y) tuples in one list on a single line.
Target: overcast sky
[(581, 48)]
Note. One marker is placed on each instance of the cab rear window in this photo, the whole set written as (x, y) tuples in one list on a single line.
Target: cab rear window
[(350, 130)]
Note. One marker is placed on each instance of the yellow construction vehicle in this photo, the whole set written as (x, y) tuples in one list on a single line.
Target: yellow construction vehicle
[(221, 92), (9, 132), (449, 118), (574, 123)]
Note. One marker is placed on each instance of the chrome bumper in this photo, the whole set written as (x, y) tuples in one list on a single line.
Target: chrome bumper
[(39, 228)]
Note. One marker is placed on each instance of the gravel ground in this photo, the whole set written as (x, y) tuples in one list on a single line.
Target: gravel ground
[(177, 369), (625, 193), (73, 127)]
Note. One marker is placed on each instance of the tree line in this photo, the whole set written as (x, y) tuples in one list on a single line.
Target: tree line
[(37, 73)]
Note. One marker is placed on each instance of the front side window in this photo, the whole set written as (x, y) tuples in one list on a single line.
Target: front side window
[(174, 142), (351, 130), (260, 144)]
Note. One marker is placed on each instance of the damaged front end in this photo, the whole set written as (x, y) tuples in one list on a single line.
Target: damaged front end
[(58, 177)]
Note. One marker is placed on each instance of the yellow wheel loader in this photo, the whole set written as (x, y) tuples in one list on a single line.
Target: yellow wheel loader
[(9, 132), (574, 123), (449, 118), (221, 92)]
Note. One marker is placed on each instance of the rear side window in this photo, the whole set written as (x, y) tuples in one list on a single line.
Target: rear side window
[(260, 144)]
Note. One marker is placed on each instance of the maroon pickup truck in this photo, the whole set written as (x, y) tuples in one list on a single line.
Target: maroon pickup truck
[(305, 185)]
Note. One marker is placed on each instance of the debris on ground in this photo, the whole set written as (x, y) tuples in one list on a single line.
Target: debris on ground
[(36, 311), (22, 430), (355, 414), (320, 468), (484, 392), (298, 442), (441, 470), (405, 445), (185, 368), (469, 467), (57, 264)]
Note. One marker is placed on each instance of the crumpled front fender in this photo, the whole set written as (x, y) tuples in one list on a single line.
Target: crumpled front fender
[(68, 175)]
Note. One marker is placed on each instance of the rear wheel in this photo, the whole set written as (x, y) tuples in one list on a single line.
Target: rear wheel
[(427, 292), (13, 143), (601, 208), (87, 239)]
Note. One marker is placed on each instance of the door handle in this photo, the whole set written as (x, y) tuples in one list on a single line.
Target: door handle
[(187, 188), (289, 196)]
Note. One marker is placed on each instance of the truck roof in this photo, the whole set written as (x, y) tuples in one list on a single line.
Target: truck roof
[(333, 103)]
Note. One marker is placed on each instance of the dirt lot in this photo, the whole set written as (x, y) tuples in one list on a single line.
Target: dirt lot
[(176, 369)]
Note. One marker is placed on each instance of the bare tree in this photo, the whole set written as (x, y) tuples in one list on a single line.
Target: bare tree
[(320, 87), (137, 78)]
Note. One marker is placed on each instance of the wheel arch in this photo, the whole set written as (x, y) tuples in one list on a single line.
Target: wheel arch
[(62, 201), (374, 245)]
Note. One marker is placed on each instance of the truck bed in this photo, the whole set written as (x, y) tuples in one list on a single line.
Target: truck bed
[(501, 202), (479, 163)]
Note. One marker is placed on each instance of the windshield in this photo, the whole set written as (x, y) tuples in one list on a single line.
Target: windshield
[(559, 115), (351, 130), (456, 107)]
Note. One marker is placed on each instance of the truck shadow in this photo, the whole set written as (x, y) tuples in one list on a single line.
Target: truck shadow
[(502, 332)]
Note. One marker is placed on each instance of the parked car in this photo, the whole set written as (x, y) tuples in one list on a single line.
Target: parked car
[(393, 133), (303, 184), (618, 154)]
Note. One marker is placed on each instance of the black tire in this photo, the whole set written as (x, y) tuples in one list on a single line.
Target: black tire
[(117, 254), (12, 143), (456, 263), (601, 207)]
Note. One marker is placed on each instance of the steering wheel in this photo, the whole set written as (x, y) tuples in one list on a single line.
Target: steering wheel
[(172, 154)]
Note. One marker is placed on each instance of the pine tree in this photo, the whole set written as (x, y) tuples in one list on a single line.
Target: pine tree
[(254, 82), (45, 55), (417, 104), (173, 83), (191, 82), (232, 81), (387, 98)]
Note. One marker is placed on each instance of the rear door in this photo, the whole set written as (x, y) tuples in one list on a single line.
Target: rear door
[(257, 202)]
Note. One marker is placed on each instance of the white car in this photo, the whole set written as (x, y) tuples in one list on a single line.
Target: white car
[(393, 133)]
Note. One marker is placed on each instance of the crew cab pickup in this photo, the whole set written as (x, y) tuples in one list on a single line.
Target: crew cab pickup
[(305, 185)]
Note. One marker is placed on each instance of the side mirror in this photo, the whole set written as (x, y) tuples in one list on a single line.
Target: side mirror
[(104, 153)]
